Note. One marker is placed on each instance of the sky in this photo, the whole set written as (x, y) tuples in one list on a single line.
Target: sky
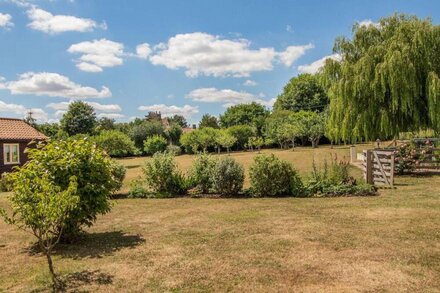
[(191, 57)]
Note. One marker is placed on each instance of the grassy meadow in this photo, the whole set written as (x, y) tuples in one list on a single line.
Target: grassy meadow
[(389, 242)]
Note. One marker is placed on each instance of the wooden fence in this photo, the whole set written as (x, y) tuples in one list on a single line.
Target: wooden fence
[(430, 162), (378, 166)]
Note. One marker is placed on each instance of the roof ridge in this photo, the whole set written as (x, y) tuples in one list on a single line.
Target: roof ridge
[(9, 118)]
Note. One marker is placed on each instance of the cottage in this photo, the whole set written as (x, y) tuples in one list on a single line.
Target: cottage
[(15, 136)]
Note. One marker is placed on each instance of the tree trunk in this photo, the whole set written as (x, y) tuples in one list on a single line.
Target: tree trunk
[(55, 283), (293, 144)]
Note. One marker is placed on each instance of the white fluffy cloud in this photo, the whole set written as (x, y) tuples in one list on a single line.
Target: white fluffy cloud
[(186, 111), (97, 54), (21, 111), (368, 22), (227, 97), (314, 67), (45, 21), (250, 83), (52, 85), (204, 54), (105, 108), (143, 51), (293, 53), (111, 115), (5, 20)]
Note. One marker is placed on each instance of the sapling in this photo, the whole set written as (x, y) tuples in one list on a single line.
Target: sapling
[(41, 208)]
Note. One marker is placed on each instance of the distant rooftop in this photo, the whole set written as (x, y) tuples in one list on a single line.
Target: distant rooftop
[(17, 129)]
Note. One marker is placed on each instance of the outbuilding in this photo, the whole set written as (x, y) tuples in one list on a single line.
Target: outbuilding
[(15, 136)]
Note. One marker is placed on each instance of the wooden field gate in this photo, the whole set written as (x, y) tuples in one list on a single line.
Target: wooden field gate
[(378, 166)]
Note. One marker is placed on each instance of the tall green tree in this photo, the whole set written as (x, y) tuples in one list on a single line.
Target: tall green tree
[(209, 121), (179, 119), (387, 82), (140, 132), (303, 92), (80, 118), (252, 114)]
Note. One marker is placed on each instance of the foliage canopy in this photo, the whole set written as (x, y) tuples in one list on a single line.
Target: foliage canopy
[(387, 82)]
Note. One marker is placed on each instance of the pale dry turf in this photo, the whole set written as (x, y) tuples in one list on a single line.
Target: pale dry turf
[(390, 242)]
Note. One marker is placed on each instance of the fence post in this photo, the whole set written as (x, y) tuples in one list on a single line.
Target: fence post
[(392, 171), (369, 167), (352, 154)]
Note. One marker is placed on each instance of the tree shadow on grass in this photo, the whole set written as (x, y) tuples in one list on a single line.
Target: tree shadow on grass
[(75, 282), (97, 245), (94, 245)]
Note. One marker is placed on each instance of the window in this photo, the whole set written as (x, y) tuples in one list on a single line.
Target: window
[(11, 153)]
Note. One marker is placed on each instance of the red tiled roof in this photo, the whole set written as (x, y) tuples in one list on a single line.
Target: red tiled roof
[(17, 129)]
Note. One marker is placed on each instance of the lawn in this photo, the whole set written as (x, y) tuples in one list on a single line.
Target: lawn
[(390, 242)]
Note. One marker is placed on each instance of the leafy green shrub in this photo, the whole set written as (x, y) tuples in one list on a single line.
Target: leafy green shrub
[(271, 176), (155, 144), (174, 149), (5, 183), (202, 171), (347, 189), (334, 180), (116, 143), (97, 177), (138, 189), (163, 177), (228, 176), (334, 175)]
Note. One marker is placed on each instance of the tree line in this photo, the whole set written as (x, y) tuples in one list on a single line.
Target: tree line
[(385, 82)]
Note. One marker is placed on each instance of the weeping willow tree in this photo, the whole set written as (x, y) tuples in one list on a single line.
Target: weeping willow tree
[(386, 82)]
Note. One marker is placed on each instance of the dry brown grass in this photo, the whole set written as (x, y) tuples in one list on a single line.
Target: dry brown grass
[(386, 243)]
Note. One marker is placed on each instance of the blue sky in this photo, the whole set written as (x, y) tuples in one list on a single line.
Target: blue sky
[(180, 57)]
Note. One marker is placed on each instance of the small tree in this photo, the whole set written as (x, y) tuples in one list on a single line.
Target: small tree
[(97, 177), (173, 133), (41, 207), (258, 143), (80, 118), (189, 141), (116, 143), (155, 144), (225, 139)]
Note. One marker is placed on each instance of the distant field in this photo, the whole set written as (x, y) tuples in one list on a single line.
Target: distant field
[(389, 242), (302, 158)]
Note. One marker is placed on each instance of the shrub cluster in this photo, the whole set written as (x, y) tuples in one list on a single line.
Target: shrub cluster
[(271, 176), (408, 156), (155, 144), (163, 177), (201, 173), (334, 180), (116, 143), (227, 177)]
